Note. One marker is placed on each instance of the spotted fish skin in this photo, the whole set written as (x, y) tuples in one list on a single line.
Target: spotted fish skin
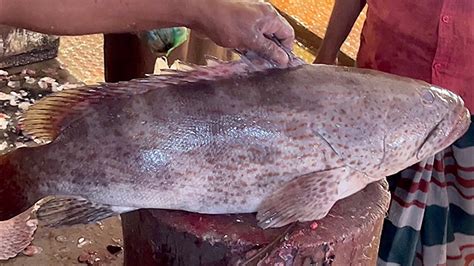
[(286, 143)]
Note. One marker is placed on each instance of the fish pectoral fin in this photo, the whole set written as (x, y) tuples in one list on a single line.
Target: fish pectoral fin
[(67, 210), (16, 234), (305, 198)]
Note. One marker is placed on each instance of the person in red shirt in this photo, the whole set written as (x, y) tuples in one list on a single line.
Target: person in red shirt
[(431, 216)]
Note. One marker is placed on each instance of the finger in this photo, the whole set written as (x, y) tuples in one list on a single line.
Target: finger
[(284, 32), (269, 50), (277, 25)]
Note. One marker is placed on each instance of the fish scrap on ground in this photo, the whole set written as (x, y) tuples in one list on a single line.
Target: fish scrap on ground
[(230, 137)]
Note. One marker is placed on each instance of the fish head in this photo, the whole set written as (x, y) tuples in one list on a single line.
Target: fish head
[(419, 120), (380, 124), (451, 121)]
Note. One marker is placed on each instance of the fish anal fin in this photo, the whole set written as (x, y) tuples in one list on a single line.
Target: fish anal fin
[(305, 198), (16, 234), (67, 210), (44, 120)]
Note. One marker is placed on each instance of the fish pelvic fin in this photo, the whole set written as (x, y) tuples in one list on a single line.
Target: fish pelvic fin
[(305, 198), (58, 211), (45, 119), (17, 233)]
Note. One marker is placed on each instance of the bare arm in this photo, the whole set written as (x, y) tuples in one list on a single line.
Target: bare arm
[(343, 17), (230, 23), (77, 17)]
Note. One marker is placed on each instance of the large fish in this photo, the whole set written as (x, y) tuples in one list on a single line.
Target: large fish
[(225, 138)]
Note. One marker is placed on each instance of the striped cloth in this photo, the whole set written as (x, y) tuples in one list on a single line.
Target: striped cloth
[(431, 216)]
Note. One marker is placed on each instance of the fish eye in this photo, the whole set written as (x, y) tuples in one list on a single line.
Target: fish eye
[(427, 96)]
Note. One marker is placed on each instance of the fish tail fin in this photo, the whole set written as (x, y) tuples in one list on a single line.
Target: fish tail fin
[(16, 234)]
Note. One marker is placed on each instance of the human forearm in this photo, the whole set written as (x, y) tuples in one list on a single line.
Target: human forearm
[(77, 17), (343, 17), (242, 24)]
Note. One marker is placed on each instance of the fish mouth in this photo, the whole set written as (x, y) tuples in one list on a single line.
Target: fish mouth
[(431, 135), (461, 126)]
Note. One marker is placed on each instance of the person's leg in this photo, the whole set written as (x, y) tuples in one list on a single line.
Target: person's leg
[(126, 57)]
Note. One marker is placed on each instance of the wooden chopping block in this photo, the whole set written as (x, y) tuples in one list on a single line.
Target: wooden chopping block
[(349, 235)]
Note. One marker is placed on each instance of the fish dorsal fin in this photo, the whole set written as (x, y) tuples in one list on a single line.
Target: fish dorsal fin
[(44, 120)]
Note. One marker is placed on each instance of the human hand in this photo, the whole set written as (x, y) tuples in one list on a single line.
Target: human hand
[(245, 25)]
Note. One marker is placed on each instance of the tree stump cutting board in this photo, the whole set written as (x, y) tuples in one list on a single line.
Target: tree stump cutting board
[(349, 235)]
